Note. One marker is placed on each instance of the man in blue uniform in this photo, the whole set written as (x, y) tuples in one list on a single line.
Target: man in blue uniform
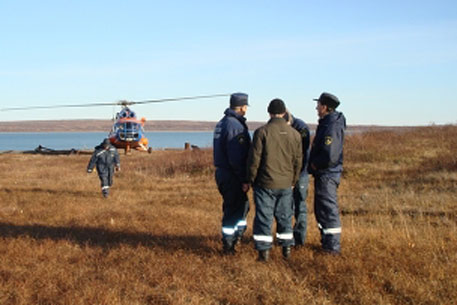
[(300, 191), (326, 165), (106, 158), (231, 145)]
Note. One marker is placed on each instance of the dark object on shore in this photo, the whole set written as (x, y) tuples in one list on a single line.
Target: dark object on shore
[(188, 146), (49, 151)]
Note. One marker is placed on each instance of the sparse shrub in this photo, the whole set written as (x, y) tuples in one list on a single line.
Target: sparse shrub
[(197, 162)]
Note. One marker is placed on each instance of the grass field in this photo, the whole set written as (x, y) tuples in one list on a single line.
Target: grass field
[(157, 239)]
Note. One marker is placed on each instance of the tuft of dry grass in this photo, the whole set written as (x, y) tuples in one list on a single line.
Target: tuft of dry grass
[(157, 239)]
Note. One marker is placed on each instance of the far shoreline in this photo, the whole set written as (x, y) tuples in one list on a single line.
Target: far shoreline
[(74, 126)]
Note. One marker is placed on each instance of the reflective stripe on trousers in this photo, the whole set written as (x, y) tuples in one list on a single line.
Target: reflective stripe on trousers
[(331, 231), (241, 225), (272, 204), (263, 238), (285, 236)]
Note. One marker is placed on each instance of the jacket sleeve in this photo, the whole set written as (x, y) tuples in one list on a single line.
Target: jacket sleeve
[(329, 149), (92, 161), (254, 156), (303, 130), (305, 137), (238, 142), (298, 159), (116, 158)]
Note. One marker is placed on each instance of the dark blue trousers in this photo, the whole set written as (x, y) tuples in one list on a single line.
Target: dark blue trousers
[(326, 210), (106, 180), (269, 204), (235, 206), (300, 209)]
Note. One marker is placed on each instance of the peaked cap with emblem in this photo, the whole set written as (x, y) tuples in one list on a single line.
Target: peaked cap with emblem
[(328, 99)]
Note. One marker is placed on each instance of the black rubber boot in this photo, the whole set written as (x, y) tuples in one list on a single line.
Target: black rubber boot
[(228, 248), (286, 252), (264, 255)]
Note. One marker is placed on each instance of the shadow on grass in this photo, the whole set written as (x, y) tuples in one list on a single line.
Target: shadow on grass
[(109, 239), (37, 190)]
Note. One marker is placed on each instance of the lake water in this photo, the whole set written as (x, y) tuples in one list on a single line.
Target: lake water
[(87, 140)]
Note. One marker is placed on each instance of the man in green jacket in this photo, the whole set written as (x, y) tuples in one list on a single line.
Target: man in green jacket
[(274, 165)]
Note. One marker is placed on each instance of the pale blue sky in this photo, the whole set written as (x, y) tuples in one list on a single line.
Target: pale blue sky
[(389, 62)]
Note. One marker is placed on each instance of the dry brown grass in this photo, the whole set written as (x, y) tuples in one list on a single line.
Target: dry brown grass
[(157, 240)]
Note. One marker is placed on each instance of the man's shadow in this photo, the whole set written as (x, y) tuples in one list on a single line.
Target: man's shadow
[(110, 239)]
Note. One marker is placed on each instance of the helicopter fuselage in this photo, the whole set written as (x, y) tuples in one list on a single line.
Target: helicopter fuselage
[(128, 132)]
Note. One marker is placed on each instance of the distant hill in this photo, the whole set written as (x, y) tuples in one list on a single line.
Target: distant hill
[(165, 125), (105, 125)]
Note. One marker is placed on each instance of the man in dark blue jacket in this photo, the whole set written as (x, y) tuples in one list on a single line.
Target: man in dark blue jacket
[(231, 145), (326, 165), (301, 187), (106, 158)]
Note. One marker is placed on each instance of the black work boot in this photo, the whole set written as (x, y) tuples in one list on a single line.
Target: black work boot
[(228, 248), (299, 242), (286, 252), (264, 255), (238, 238)]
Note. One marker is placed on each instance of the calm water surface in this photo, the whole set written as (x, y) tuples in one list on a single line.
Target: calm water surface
[(87, 140)]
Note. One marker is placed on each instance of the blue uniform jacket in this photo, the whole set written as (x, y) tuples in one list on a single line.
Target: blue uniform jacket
[(231, 144), (303, 129), (327, 148), (105, 160)]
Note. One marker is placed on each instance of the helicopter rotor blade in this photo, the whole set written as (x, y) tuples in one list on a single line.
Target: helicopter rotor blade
[(58, 106), (179, 99), (123, 103)]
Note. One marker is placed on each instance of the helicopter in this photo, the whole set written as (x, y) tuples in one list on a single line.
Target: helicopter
[(127, 131)]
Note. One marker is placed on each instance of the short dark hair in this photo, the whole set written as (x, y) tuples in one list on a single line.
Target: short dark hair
[(276, 106)]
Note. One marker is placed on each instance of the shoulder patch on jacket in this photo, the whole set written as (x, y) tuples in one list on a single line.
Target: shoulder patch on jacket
[(241, 139), (328, 140)]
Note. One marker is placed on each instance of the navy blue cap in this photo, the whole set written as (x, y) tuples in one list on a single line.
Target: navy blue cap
[(238, 99), (328, 99)]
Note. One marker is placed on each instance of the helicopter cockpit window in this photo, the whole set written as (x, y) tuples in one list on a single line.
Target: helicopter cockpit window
[(126, 113), (129, 131)]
